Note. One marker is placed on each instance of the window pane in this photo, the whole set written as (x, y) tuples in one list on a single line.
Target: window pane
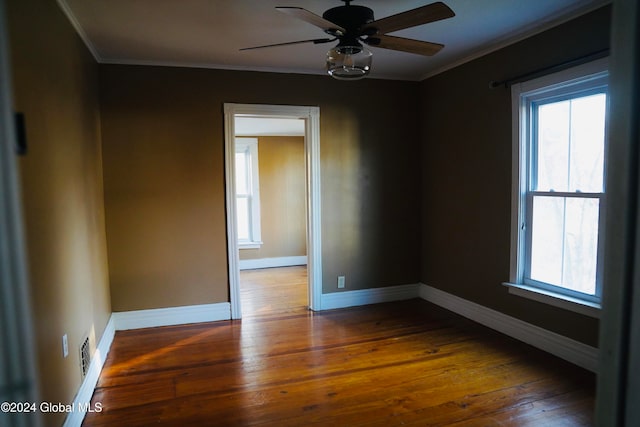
[(547, 240), (565, 242), (242, 186), (243, 218), (553, 146), (587, 144), (570, 145), (581, 245)]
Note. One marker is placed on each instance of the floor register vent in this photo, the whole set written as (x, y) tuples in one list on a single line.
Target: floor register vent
[(85, 357)]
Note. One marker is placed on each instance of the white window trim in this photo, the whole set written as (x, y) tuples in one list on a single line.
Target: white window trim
[(552, 82), (251, 144)]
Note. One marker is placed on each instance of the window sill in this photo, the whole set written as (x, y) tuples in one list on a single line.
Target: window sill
[(250, 245), (587, 308)]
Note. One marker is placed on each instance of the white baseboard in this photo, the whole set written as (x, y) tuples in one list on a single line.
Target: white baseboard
[(134, 320), (172, 316), (565, 348), (85, 392), (285, 261), (368, 296)]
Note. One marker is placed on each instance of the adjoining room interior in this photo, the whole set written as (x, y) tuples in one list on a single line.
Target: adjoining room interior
[(270, 181), (120, 269)]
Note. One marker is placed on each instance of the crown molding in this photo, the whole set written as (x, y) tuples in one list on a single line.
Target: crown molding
[(79, 30)]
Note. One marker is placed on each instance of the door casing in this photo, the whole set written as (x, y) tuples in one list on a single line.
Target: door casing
[(311, 116)]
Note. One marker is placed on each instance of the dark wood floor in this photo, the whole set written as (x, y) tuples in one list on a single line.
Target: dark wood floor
[(404, 363)]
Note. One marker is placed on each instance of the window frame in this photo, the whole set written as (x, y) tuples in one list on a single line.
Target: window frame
[(582, 80), (249, 147)]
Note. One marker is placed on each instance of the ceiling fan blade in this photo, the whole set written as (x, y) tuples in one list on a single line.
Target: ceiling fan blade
[(314, 41), (405, 45), (411, 18), (312, 18)]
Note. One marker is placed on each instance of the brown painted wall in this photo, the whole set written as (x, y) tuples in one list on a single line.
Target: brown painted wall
[(164, 179), (56, 85), (282, 198), (466, 137)]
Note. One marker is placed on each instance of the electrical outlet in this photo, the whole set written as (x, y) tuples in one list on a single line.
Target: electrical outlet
[(65, 346), (340, 282)]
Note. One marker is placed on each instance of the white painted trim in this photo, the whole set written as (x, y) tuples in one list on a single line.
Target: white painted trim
[(252, 177), (76, 25), (576, 305), (314, 208), (285, 261), (311, 115), (233, 257), (519, 128), (518, 182), (369, 296), (171, 316), (85, 392), (565, 348), (522, 94), (252, 245)]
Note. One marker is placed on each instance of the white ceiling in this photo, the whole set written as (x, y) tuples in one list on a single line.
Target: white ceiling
[(209, 33), (264, 126)]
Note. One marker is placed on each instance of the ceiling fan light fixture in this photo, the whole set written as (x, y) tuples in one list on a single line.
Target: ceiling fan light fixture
[(350, 25), (349, 61)]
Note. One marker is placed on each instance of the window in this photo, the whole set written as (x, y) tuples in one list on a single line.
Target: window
[(247, 193), (559, 187)]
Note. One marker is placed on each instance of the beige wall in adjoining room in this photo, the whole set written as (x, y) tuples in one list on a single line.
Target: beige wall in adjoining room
[(55, 82), (282, 198)]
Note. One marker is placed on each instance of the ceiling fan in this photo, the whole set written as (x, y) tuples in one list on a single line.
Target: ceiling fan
[(354, 25)]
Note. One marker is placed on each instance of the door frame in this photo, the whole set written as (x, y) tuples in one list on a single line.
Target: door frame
[(17, 333), (311, 116), (618, 388)]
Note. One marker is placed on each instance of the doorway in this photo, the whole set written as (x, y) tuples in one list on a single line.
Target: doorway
[(271, 220), (309, 117)]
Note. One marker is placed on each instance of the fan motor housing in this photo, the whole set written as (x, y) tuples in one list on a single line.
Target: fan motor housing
[(349, 17)]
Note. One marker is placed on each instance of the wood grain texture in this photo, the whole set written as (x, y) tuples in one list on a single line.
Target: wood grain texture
[(273, 290), (403, 363)]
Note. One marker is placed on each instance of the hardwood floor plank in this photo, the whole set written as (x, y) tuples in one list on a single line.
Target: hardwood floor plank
[(269, 290), (405, 363)]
